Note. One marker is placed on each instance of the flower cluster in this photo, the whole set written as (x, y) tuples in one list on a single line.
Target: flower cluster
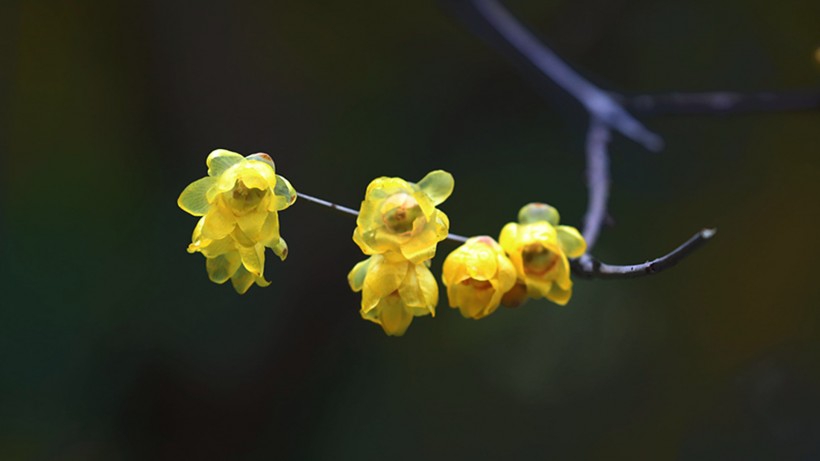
[(539, 249), (400, 226), (238, 204), (530, 261)]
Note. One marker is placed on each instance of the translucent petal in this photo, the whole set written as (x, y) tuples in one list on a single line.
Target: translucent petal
[(384, 277), (455, 268), (215, 248), (284, 194), (474, 303), (220, 160), (251, 224), (428, 286), (193, 198), (535, 212), (482, 263), (562, 273), (394, 317), (410, 291), (253, 258), (221, 268), (261, 282), (242, 280), (559, 295), (356, 276), (218, 223), (572, 242), (508, 239), (262, 157), (269, 235), (280, 249), (506, 273), (438, 185)]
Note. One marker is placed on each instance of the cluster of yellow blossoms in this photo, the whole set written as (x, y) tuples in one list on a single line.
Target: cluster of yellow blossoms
[(530, 261), (399, 227), (238, 203)]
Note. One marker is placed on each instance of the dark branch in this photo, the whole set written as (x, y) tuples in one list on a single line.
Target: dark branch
[(720, 102), (597, 180), (588, 267), (596, 101)]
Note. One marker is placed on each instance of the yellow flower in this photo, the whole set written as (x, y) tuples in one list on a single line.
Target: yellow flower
[(393, 292), (400, 219), (538, 248), (238, 203), (477, 274)]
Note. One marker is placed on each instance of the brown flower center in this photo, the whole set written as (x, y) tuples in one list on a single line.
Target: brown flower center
[(479, 285), (538, 260), (399, 212), (243, 199)]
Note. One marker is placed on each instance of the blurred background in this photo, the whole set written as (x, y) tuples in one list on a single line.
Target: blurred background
[(114, 344)]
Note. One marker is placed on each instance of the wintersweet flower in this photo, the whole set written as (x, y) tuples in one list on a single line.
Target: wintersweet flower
[(238, 203), (393, 292), (477, 274), (399, 219), (539, 249)]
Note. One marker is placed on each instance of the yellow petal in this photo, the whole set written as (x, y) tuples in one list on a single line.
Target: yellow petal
[(218, 223), (193, 198), (394, 317), (428, 287), (559, 295), (384, 277), (535, 212), (422, 246), (356, 276), (242, 280), (454, 269), (572, 242), (438, 185), (269, 235), (220, 160), (223, 267), (280, 249), (251, 224), (474, 303), (262, 157), (215, 248), (253, 258), (284, 194), (410, 291)]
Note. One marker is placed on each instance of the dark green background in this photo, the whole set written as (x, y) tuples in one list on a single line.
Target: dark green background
[(114, 344)]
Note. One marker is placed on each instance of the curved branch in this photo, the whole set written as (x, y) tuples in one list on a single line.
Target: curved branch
[(588, 267), (597, 180), (597, 102)]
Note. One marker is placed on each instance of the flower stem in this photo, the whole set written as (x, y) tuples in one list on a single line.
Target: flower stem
[(351, 211)]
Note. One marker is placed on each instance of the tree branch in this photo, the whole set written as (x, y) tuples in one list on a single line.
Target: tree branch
[(597, 102), (597, 180), (720, 102), (588, 267)]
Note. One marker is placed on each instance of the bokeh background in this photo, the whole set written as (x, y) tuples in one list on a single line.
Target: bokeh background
[(114, 344)]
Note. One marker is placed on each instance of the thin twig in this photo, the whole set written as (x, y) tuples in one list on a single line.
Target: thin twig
[(720, 102), (341, 208), (597, 180), (588, 267), (597, 102), (351, 211)]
